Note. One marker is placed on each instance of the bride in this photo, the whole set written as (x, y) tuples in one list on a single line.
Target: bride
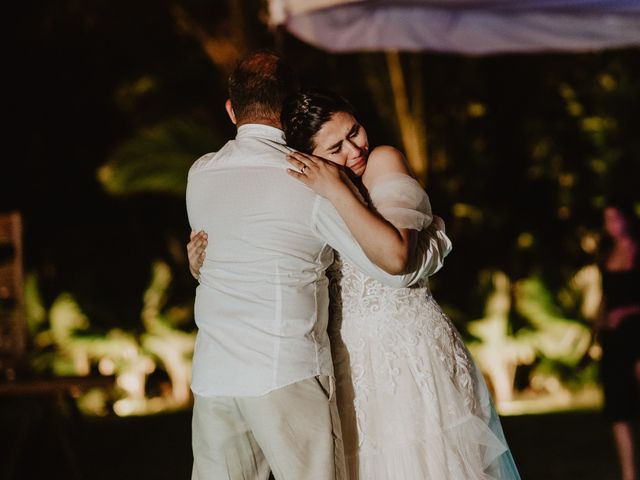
[(413, 405)]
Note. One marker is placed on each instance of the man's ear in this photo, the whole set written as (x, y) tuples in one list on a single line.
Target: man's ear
[(230, 111)]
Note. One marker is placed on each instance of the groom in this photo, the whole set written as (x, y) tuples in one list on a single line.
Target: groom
[(262, 372)]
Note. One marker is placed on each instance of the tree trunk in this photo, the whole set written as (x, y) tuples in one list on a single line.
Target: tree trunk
[(410, 121)]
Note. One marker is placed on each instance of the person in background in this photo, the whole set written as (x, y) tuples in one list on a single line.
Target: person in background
[(618, 327)]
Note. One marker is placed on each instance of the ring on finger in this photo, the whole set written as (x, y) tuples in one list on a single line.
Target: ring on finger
[(303, 168)]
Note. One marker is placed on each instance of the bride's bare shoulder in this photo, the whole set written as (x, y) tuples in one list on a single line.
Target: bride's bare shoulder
[(383, 160)]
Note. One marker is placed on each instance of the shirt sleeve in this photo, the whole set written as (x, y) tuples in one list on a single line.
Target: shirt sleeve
[(433, 245), (401, 200)]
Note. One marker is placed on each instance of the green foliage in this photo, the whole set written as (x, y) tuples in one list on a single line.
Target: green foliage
[(157, 159), (550, 344), (35, 311), (555, 337), (65, 345)]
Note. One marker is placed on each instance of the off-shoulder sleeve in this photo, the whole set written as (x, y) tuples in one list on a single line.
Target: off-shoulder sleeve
[(401, 200)]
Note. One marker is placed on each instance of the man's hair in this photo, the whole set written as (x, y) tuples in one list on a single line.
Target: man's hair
[(304, 114), (259, 84)]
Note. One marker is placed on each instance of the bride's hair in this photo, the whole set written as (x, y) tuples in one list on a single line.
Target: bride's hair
[(304, 114)]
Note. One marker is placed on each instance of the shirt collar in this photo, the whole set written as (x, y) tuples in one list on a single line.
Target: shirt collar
[(261, 131)]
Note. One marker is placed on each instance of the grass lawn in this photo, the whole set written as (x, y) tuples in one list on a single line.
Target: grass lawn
[(575, 445)]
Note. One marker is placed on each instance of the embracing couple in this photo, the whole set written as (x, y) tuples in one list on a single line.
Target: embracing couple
[(321, 353)]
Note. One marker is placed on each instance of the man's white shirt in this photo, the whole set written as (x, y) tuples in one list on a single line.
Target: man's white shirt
[(262, 304)]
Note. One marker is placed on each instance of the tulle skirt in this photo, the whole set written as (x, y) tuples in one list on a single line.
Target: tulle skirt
[(412, 402)]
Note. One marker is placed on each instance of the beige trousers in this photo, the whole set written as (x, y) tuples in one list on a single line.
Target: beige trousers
[(293, 431)]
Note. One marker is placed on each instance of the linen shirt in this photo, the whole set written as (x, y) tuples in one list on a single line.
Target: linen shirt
[(262, 304)]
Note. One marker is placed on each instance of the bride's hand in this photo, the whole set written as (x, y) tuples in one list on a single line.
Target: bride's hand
[(196, 252), (323, 177)]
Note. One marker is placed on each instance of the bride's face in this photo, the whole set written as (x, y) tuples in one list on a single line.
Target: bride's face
[(343, 140)]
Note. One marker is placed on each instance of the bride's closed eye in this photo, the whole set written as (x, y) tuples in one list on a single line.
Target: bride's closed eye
[(355, 130)]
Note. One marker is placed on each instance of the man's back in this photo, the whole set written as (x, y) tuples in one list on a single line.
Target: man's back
[(261, 307)]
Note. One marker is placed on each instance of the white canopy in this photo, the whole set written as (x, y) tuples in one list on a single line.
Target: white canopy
[(473, 27)]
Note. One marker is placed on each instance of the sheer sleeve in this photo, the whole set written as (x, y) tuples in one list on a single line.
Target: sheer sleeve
[(401, 200)]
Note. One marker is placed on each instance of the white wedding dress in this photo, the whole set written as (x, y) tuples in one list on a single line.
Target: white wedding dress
[(412, 403)]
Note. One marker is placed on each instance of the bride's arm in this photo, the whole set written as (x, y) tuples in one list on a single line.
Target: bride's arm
[(385, 245)]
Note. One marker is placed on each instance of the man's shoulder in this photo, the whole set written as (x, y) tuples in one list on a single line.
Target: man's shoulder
[(207, 160), (202, 162)]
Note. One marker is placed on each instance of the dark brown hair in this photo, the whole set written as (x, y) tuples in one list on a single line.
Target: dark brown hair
[(259, 84)]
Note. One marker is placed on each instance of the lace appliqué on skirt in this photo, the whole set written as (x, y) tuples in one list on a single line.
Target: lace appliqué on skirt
[(412, 402)]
